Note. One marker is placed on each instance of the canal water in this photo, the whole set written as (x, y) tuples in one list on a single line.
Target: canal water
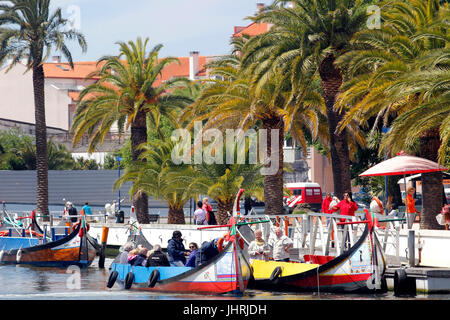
[(37, 283)]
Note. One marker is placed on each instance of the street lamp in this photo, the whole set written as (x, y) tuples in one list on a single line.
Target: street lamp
[(119, 158)]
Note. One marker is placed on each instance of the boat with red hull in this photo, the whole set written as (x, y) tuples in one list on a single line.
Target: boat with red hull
[(227, 273), (359, 269)]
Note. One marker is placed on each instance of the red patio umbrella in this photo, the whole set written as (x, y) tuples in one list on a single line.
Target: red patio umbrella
[(403, 164)]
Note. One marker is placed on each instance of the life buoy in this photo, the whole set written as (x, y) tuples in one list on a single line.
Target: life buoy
[(220, 244), (112, 279), (276, 273), (153, 278), (129, 279)]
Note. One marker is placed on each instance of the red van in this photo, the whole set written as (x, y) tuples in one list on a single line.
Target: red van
[(310, 193)]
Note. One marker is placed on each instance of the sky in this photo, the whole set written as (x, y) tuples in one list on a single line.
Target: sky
[(180, 26)]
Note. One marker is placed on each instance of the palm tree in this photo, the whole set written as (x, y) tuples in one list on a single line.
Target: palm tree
[(223, 181), (159, 177), (127, 94), (231, 102), (306, 38), (29, 31), (401, 76)]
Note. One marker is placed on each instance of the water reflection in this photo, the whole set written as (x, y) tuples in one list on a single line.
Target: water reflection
[(33, 283)]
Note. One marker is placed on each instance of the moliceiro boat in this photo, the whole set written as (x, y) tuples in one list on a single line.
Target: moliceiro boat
[(227, 273), (33, 247), (359, 269)]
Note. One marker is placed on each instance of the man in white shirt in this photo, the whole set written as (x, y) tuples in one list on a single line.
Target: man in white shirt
[(280, 246)]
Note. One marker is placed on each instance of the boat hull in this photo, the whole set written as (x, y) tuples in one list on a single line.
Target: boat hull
[(360, 269), (227, 273), (70, 250)]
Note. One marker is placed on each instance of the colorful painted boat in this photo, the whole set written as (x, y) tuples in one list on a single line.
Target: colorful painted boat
[(359, 269), (76, 248), (227, 273)]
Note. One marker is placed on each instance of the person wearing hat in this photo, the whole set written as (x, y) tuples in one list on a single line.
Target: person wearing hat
[(177, 252), (207, 251)]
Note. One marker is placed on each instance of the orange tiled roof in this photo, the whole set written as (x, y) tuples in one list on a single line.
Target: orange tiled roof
[(252, 29), (63, 70), (82, 69)]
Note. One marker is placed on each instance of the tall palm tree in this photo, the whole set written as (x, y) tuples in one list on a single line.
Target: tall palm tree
[(28, 30), (306, 38), (231, 102), (401, 76), (127, 95)]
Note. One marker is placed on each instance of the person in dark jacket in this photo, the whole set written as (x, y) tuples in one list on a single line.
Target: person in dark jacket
[(176, 250), (207, 251), (191, 260), (157, 258), (141, 259), (72, 212)]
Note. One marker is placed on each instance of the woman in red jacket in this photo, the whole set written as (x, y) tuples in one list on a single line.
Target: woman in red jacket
[(347, 206)]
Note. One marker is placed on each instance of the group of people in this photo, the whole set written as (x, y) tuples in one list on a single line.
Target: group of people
[(277, 247), (71, 210), (204, 214), (177, 255), (141, 256), (348, 206)]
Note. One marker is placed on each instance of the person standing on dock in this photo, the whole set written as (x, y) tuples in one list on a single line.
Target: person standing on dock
[(72, 211), (346, 206), (411, 202), (87, 209), (281, 245), (176, 250), (326, 205), (200, 215)]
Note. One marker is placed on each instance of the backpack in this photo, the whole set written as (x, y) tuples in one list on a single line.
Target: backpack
[(211, 218)]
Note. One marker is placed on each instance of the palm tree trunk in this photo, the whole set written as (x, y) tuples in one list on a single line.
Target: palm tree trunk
[(175, 216), (222, 211), (139, 136), (431, 182), (273, 183), (340, 159), (41, 141)]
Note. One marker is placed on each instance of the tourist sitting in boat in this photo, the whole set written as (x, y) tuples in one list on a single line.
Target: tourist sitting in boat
[(258, 248), (132, 256), (347, 206), (176, 250), (200, 215), (141, 258), (191, 260), (207, 251), (157, 258), (281, 245), (127, 247)]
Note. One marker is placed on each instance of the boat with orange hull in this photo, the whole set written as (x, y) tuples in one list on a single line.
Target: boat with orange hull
[(76, 248), (359, 269)]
